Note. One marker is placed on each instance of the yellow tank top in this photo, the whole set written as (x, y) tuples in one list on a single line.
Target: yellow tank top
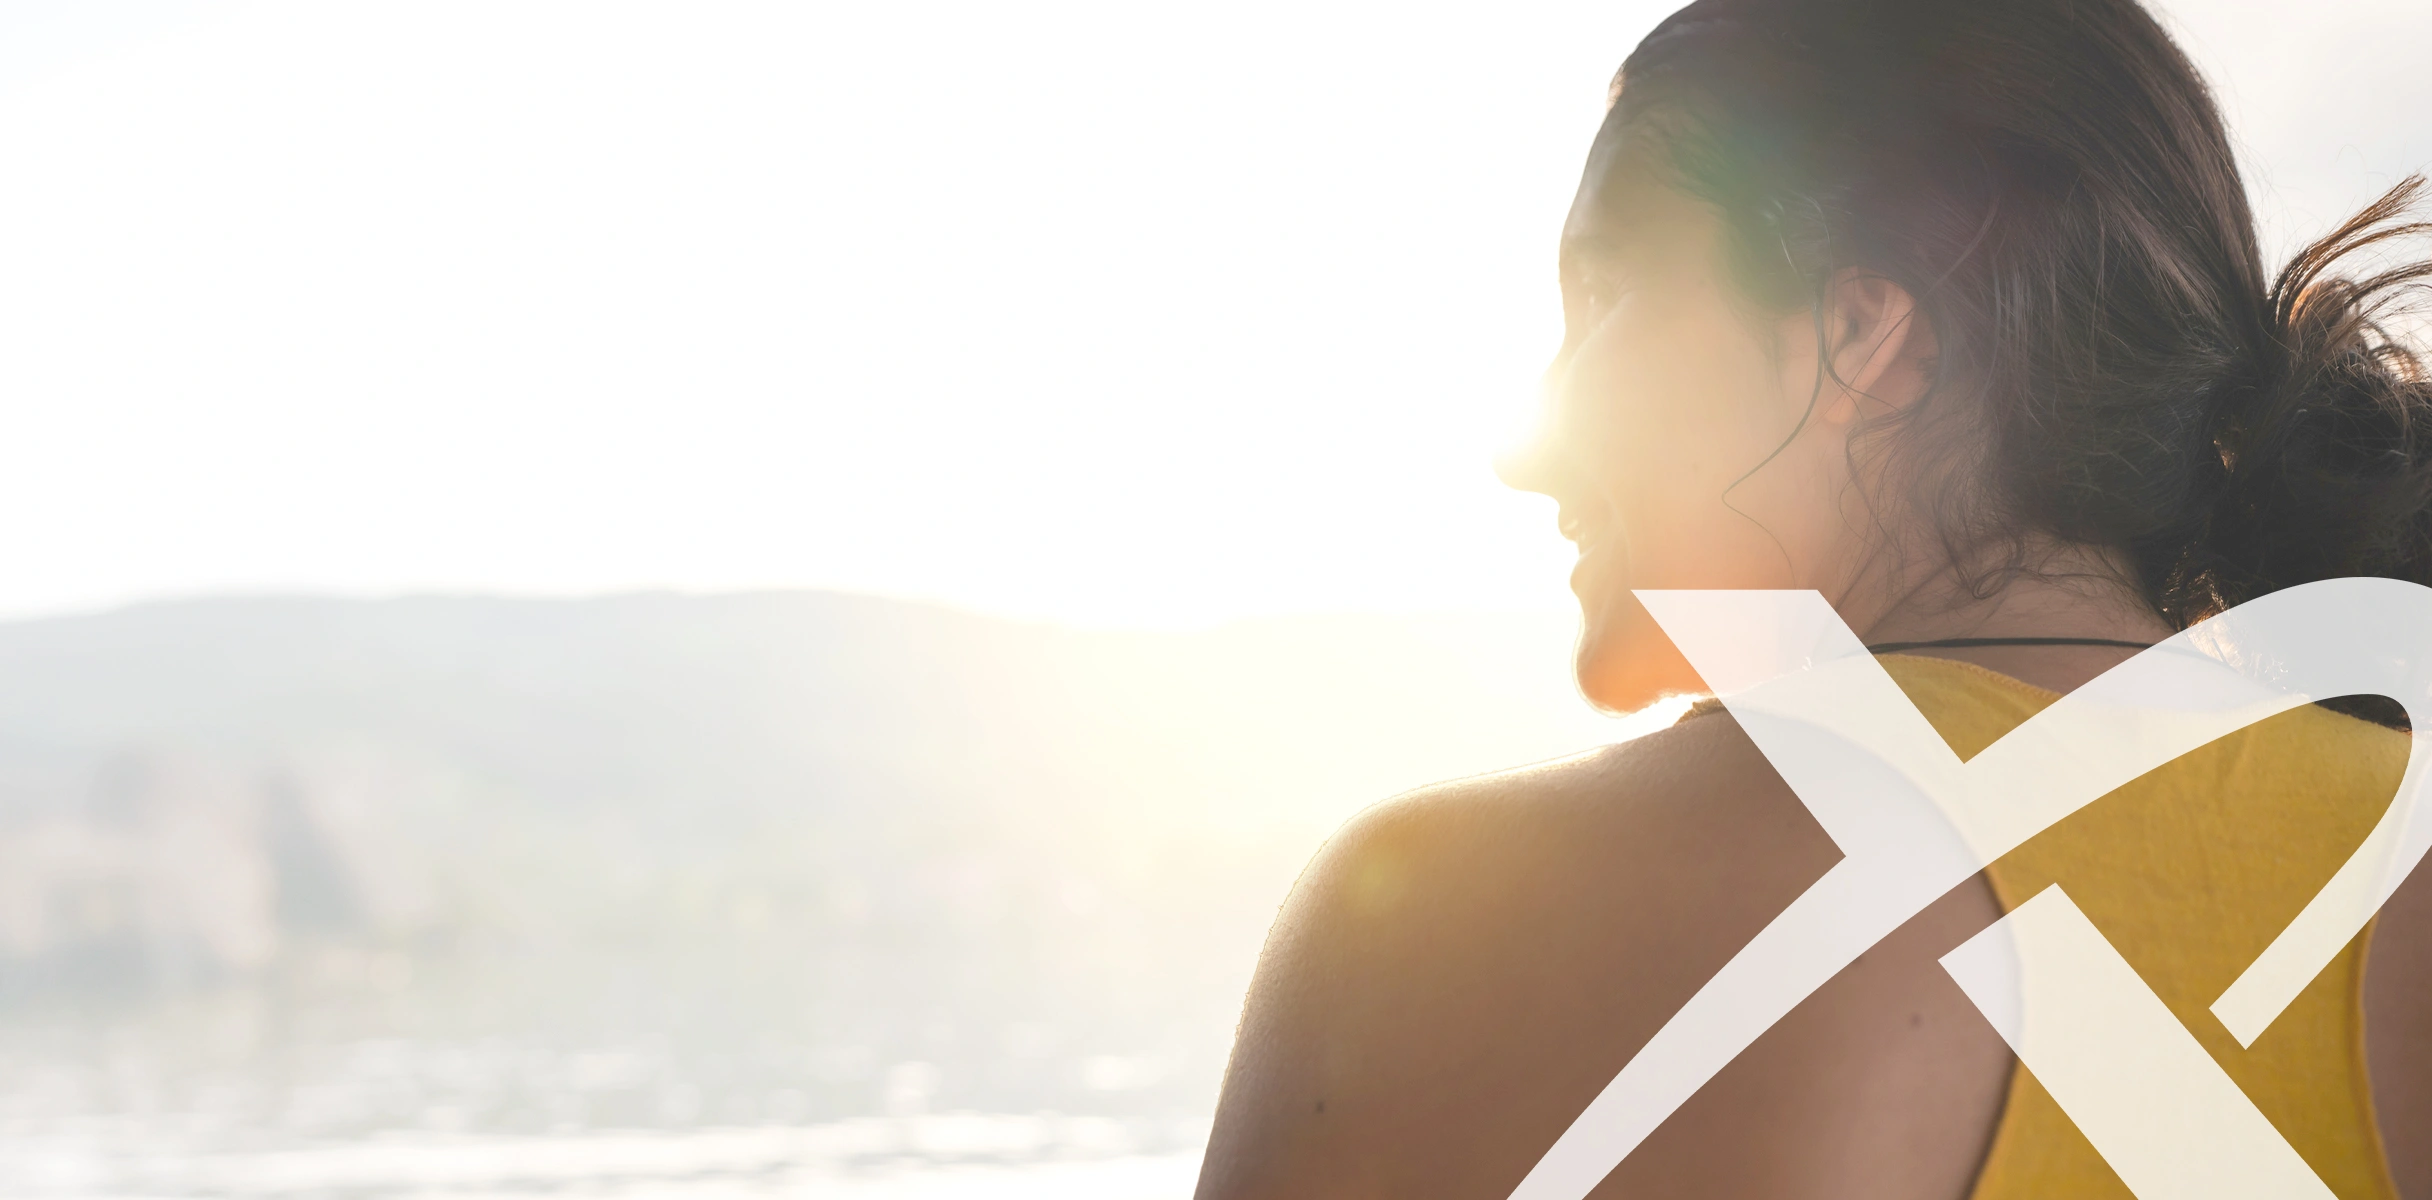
[(2190, 871)]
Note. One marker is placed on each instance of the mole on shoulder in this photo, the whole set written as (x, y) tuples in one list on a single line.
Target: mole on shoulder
[(1321, 1106)]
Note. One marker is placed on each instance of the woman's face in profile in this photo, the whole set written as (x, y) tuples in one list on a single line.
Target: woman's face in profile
[(1668, 434)]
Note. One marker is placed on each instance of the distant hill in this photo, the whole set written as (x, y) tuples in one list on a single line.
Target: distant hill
[(852, 851)]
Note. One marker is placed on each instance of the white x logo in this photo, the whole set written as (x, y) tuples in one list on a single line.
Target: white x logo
[(1913, 821)]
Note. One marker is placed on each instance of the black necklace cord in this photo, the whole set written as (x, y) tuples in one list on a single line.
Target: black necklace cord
[(1964, 643)]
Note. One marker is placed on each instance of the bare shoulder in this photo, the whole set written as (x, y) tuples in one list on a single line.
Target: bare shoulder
[(1574, 834), (2398, 1030), (1462, 968)]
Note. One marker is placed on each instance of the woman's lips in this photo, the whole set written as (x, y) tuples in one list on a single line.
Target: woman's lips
[(1585, 571), (1587, 526), (1582, 526)]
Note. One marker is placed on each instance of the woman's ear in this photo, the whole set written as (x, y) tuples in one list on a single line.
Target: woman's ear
[(1880, 348)]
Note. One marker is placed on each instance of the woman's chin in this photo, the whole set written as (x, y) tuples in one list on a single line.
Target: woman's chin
[(1618, 691), (1625, 662)]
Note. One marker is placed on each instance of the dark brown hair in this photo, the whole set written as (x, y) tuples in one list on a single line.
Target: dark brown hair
[(2052, 181)]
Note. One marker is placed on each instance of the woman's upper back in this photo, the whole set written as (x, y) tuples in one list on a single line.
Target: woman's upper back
[(1464, 968), (2189, 872)]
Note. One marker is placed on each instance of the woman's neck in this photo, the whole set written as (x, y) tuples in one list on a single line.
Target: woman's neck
[(2070, 592)]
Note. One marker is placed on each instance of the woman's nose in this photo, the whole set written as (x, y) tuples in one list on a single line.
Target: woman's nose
[(1525, 465), (1534, 462)]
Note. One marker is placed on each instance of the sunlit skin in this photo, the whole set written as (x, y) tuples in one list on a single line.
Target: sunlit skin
[(1463, 968), (1694, 443)]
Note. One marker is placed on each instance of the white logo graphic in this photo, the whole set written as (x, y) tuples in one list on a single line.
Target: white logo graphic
[(1913, 821)]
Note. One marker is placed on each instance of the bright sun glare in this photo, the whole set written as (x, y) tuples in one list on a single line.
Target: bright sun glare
[(1109, 313)]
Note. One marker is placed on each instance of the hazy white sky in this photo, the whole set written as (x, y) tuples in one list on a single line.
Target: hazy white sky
[(1110, 312)]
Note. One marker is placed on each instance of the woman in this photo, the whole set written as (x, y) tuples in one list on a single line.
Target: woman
[(1952, 311)]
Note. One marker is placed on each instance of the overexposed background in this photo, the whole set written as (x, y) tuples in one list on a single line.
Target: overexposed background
[(1144, 314), (765, 598)]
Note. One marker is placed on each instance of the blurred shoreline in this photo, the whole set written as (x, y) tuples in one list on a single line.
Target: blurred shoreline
[(771, 885), (874, 1156)]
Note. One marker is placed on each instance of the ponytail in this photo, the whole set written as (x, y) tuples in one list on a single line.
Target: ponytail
[(2327, 454)]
